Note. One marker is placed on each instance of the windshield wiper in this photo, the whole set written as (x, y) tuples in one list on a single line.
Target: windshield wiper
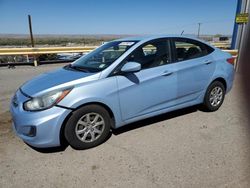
[(78, 68)]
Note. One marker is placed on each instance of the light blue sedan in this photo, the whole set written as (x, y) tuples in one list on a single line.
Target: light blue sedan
[(120, 82)]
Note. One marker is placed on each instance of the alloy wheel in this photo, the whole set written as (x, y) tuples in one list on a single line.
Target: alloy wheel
[(89, 127), (216, 96)]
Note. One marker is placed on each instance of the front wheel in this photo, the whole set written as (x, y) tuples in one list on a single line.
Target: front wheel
[(88, 127), (214, 96)]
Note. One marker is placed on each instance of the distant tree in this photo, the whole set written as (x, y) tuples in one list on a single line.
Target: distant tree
[(218, 35)]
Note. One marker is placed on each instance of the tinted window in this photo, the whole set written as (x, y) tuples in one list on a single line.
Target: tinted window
[(151, 54), (188, 49)]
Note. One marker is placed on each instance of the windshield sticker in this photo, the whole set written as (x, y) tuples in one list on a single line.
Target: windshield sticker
[(126, 43), (101, 66)]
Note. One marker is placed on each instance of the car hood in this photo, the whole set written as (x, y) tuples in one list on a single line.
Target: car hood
[(57, 79)]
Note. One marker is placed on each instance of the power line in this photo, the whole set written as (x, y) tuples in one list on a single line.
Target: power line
[(203, 22)]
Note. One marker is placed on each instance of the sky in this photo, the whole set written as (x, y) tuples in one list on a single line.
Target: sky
[(117, 16)]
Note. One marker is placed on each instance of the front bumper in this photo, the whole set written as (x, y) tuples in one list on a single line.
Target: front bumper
[(39, 129)]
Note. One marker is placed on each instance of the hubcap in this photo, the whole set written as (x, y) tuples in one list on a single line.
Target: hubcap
[(89, 127), (216, 96)]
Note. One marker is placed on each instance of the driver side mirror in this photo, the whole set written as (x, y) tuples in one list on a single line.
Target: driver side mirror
[(131, 67)]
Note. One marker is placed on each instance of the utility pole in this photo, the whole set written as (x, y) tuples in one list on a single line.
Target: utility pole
[(31, 33), (199, 26), (32, 39)]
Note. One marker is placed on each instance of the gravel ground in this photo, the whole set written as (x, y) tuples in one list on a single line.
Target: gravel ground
[(185, 148)]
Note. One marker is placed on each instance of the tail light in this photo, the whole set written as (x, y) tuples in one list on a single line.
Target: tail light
[(231, 60)]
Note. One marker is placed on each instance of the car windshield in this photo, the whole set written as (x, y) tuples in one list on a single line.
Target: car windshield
[(103, 56)]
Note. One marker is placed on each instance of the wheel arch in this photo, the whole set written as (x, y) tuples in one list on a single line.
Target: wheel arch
[(106, 107), (222, 80)]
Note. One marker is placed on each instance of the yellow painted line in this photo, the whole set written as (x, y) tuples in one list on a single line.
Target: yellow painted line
[(55, 50), (232, 52), (46, 50)]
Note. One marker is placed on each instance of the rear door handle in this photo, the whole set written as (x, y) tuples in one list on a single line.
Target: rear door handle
[(167, 73), (208, 62)]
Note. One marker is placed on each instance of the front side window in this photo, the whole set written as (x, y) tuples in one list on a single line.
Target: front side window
[(189, 49), (102, 57), (151, 54)]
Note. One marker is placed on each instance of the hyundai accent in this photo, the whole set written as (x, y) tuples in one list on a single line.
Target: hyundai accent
[(118, 83)]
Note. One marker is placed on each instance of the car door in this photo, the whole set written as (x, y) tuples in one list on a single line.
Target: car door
[(194, 68), (151, 89)]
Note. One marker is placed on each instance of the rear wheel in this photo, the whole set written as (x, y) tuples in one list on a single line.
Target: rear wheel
[(88, 127), (214, 96)]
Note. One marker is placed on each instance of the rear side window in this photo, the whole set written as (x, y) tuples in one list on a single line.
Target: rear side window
[(186, 49)]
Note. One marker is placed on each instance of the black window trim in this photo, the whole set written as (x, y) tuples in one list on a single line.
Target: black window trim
[(119, 66)]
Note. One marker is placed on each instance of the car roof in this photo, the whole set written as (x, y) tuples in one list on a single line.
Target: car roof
[(145, 38)]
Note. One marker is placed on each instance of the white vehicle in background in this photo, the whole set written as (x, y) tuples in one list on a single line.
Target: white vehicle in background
[(69, 56)]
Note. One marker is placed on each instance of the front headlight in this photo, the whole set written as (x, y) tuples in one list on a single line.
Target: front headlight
[(45, 101)]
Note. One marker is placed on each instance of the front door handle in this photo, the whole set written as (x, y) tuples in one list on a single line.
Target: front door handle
[(167, 73)]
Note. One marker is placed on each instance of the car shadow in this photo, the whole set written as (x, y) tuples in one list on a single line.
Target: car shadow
[(155, 119), (49, 150), (128, 127)]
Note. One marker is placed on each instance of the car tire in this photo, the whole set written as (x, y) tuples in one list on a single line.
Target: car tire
[(214, 96), (87, 127)]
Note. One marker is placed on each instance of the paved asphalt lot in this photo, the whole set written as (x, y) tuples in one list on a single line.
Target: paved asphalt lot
[(185, 148)]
